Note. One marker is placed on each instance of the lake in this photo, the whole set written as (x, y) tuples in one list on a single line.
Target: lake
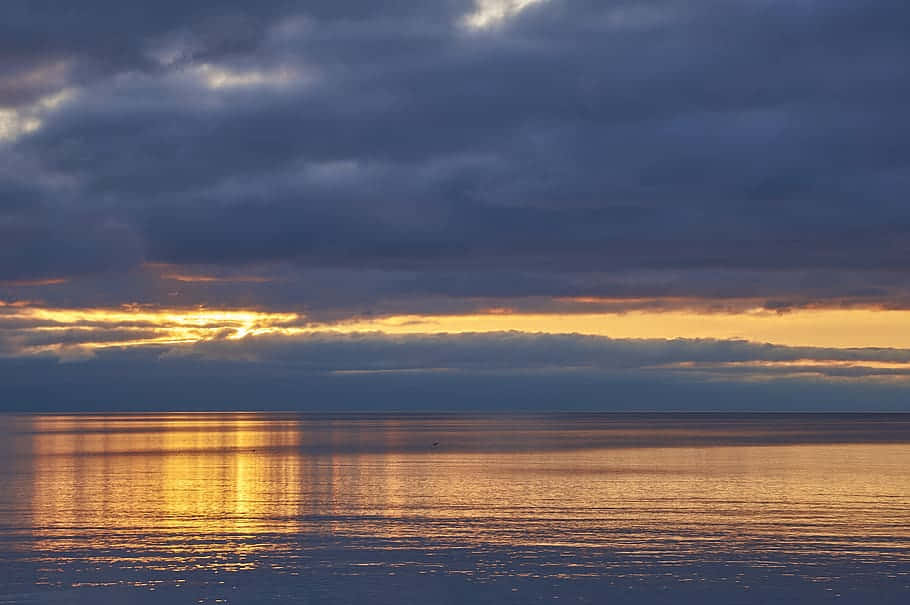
[(450, 508)]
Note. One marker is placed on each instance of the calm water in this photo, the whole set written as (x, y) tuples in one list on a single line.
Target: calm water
[(250, 508)]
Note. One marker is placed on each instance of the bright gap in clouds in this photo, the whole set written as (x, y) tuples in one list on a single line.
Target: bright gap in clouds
[(16, 122), (488, 13), (36, 330), (13, 124), (141, 326), (835, 328), (219, 77)]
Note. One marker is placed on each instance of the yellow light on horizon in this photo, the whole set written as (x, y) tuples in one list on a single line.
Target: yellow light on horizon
[(144, 326), (836, 328)]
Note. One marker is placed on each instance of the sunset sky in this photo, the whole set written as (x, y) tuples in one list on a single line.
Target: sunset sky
[(453, 204)]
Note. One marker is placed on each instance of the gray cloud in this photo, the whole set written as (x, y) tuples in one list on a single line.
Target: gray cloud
[(141, 381)]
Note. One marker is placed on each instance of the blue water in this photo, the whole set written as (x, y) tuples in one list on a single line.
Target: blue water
[(256, 508)]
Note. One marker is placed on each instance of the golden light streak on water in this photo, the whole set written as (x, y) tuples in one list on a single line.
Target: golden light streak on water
[(266, 505)]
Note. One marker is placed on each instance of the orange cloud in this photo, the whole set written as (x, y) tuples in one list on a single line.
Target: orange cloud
[(177, 273)]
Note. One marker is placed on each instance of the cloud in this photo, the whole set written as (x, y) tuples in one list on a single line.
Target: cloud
[(648, 148), (518, 351), (146, 381)]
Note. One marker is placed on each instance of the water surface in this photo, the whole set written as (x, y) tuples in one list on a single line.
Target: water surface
[(254, 507)]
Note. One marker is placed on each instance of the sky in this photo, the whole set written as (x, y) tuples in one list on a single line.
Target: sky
[(455, 204)]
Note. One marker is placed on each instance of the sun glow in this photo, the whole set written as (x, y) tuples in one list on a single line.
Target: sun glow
[(38, 329), (838, 328), (34, 328)]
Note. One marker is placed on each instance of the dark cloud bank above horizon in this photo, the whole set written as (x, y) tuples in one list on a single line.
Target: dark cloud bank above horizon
[(467, 372), (570, 137)]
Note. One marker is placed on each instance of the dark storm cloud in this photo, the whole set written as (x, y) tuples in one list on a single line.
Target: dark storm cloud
[(652, 148)]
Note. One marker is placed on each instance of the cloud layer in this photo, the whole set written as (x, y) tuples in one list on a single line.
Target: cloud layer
[(580, 148), (493, 372)]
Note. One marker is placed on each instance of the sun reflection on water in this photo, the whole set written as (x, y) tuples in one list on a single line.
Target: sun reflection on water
[(183, 492)]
